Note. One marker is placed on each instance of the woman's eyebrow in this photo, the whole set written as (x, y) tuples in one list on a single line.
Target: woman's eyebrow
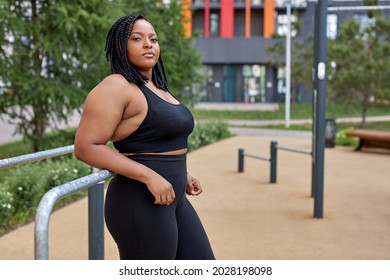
[(141, 33)]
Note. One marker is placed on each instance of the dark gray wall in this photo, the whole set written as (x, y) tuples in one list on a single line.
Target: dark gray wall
[(233, 51)]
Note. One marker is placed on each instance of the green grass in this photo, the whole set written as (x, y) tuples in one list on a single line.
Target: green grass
[(15, 148), (298, 111), (12, 149), (382, 126)]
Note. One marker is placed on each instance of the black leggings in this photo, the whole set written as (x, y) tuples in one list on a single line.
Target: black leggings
[(143, 230)]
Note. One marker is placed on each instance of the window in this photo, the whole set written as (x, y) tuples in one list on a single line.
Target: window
[(364, 22), (204, 90), (294, 3), (214, 25), (331, 28), (281, 78), (254, 78), (282, 22)]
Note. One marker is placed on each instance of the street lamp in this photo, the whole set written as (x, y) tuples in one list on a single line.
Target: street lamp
[(288, 65)]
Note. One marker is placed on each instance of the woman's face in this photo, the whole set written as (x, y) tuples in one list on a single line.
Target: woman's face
[(143, 49)]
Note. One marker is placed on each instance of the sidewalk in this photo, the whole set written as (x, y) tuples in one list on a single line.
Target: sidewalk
[(7, 129), (246, 217), (305, 121)]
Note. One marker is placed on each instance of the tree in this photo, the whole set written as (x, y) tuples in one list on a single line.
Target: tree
[(360, 63), (52, 54), (50, 59)]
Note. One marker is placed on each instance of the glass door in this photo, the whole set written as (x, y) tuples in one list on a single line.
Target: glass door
[(229, 75)]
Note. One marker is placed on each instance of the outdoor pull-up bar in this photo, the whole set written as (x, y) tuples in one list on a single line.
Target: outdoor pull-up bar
[(359, 8), (319, 93)]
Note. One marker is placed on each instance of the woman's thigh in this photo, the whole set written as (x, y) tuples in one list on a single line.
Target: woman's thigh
[(193, 242)]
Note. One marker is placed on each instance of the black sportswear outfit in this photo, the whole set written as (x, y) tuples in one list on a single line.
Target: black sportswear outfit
[(141, 229)]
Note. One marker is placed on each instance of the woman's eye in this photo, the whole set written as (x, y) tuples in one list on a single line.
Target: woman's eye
[(154, 40)]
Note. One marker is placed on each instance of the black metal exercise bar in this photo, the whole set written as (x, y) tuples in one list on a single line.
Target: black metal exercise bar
[(294, 150), (273, 159)]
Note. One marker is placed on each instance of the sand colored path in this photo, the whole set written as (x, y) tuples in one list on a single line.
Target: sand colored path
[(246, 217)]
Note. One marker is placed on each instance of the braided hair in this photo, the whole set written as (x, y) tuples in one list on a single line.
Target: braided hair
[(116, 45)]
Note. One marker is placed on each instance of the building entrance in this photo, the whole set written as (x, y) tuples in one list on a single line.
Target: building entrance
[(229, 75)]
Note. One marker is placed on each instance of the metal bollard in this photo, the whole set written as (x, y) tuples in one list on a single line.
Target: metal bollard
[(273, 161), (240, 160)]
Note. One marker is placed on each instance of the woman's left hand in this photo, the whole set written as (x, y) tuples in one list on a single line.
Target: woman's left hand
[(193, 186)]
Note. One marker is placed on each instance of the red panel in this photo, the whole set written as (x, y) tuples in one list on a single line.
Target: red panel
[(207, 18), (227, 19)]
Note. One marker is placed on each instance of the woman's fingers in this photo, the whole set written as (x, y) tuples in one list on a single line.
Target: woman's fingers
[(165, 198)]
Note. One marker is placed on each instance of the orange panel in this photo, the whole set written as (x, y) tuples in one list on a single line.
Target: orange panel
[(186, 17), (269, 18), (248, 18)]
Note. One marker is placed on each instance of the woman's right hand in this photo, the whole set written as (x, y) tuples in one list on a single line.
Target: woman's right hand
[(162, 190)]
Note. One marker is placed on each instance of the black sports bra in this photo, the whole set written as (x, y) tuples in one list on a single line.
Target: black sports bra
[(166, 127)]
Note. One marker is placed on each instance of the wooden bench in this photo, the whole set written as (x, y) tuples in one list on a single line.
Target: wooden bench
[(370, 138)]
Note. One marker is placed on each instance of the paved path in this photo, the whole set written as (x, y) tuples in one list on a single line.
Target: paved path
[(246, 217)]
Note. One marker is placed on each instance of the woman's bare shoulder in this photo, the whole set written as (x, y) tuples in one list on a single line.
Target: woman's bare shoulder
[(115, 78), (114, 85)]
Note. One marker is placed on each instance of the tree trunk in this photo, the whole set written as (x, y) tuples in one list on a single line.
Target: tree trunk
[(39, 129), (39, 115), (364, 112)]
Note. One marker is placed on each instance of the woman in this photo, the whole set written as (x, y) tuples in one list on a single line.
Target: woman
[(146, 209)]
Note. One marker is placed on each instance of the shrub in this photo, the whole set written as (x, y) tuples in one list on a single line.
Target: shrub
[(57, 138), (207, 132), (22, 190), (6, 202), (343, 140)]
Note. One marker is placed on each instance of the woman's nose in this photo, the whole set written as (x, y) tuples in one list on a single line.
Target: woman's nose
[(147, 43)]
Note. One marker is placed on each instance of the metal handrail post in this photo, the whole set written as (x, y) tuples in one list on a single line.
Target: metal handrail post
[(46, 205), (241, 154), (273, 161), (96, 222)]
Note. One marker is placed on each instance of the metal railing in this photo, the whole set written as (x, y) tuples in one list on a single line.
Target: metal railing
[(28, 158), (95, 213), (273, 159), (95, 185)]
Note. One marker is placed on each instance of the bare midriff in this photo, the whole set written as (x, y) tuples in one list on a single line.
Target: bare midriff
[(175, 152)]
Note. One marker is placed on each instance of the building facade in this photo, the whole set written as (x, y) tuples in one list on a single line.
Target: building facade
[(234, 36)]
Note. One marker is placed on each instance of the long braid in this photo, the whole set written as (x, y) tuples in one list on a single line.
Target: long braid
[(159, 75), (116, 45)]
